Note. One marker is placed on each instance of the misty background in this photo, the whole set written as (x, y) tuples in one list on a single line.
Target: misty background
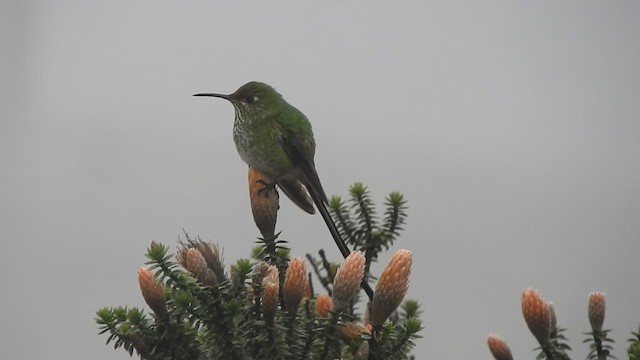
[(512, 128)]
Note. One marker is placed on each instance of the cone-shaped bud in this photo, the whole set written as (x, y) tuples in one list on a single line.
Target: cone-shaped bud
[(324, 304), (294, 284), (181, 256), (270, 302), (536, 314), (391, 288), (152, 292), (212, 257), (264, 203), (192, 260), (272, 275), (270, 290), (596, 310), (363, 351), (195, 262), (499, 348), (351, 331), (347, 281)]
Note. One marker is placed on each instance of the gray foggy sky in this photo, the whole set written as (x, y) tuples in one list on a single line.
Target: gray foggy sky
[(511, 127)]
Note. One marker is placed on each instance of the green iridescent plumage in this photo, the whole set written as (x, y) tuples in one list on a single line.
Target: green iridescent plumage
[(276, 138)]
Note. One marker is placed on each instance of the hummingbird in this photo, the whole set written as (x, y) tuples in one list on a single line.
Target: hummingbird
[(276, 138)]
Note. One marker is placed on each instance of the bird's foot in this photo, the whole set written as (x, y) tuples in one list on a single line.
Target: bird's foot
[(267, 188)]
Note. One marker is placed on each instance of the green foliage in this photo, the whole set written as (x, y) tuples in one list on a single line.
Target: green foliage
[(199, 311), (556, 348), (359, 225), (634, 348), (599, 344), (396, 339)]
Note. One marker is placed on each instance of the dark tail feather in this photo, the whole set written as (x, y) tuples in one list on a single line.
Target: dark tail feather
[(310, 173), (317, 199)]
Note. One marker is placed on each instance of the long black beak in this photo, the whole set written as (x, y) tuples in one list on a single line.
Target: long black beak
[(223, 96)]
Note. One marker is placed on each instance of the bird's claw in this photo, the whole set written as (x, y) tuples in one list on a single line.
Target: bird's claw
[(267, 188)]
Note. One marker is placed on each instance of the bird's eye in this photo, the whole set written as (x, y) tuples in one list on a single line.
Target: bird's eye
[(252, 99)]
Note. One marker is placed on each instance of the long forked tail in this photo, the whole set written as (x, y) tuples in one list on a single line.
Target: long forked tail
[(336, 234)]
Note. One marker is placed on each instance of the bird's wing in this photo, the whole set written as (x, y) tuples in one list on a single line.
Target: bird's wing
[(296, 138), (301, 154), (297, 193)]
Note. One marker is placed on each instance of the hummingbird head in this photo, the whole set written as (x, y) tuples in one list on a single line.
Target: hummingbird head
[(251, 97)]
